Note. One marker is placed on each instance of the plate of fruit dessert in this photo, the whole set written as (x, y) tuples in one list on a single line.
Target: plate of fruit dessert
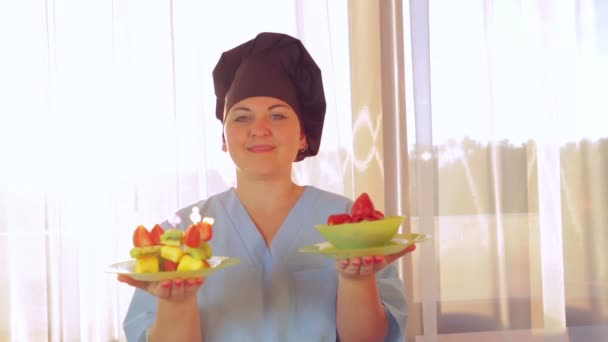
[(158, 254), (365, 231)]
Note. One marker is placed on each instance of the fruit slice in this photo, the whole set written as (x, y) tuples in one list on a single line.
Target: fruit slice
[(206, 230), (171, 253), (155, 234), (378, 215), (168, 265), (193, 237), (338, 219), (172, 237), (188, 263), (137, 252), (141, 237), (201, 253), (363, 206), (146, 264)]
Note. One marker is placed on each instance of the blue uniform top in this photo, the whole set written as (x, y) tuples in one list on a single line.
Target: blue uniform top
[(276, 293)]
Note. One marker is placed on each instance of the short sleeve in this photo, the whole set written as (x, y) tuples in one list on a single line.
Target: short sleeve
[(392, 295), (140, 316)]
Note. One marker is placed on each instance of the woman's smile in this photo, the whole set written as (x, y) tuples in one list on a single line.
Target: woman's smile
[(260, 148)]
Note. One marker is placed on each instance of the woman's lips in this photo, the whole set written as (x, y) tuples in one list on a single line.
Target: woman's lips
[(260, 148)]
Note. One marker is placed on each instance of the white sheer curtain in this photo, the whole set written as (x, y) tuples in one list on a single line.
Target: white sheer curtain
[(107, 121), (508, 152)]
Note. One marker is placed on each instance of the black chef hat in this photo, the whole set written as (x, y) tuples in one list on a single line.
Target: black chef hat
[(274, 65)]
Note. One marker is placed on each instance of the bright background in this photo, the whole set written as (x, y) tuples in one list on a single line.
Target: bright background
[(107, 121)]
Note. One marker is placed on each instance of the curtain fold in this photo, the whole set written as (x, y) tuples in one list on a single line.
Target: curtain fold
[(107, 121), (506, 163), (481, 121)]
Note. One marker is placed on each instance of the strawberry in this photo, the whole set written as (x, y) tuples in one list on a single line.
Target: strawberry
[(206, 230), (156, 233), (338, 219), (192, 237), (363, 207), (378, 215), (141, 237), (358, 218), (168, 265)]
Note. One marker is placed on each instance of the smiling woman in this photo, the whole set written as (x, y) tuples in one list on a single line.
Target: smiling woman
[(263, 126)]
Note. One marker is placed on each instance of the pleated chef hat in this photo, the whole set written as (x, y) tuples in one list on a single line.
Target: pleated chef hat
[(279, 66)]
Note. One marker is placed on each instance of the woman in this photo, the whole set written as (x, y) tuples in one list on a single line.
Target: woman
[(271, 103)]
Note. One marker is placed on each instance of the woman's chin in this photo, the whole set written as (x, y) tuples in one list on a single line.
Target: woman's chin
[(262, 172)]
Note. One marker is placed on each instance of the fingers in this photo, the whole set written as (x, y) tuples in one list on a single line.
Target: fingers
[(353, 266), (192, 286), (177, 290), (130, 281), (161, 289), (393, 257), (172, 290), (367, 268), (356, 266), (368, 265)]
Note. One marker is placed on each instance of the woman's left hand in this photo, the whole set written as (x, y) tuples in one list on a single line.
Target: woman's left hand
[(366, 266)]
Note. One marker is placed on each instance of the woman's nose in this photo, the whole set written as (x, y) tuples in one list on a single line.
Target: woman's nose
[(260, 128)]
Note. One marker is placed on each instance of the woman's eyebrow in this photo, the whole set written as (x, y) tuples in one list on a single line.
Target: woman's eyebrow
[(277, 106), (241, 108)]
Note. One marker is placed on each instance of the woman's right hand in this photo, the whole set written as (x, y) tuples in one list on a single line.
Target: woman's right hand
[(176, 290)]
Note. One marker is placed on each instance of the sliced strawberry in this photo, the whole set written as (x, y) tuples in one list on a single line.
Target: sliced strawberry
[(168, 265), (338, 219), (156, 233), (206, 230), (378, 215), (141, 237), (192, 237), (358, 218), (363, 206)]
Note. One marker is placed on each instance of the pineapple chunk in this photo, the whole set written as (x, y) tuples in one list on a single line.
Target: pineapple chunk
[(188, 263), (172, 253), (146, 264)]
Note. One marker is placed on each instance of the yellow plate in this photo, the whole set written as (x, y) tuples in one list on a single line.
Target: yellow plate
[(128, 268), (396, 245)]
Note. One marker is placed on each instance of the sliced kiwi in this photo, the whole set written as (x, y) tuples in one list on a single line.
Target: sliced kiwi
[(203, 252), (172, 237), (137, 252)]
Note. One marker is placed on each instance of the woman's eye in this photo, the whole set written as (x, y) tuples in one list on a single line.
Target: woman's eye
[(241, 118), (277, 116)]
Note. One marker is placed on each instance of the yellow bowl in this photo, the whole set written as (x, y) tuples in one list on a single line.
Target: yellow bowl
[(363, 234)]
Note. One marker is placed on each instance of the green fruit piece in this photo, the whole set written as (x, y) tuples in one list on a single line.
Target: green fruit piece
[(196, 253), (172, 237), (202, 253), (137, 252)]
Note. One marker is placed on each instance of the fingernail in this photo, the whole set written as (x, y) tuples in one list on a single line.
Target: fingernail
[(166, 284), (378, 258), (199, 281), (177, 282), (190, 282), (343, 263), (368, 260)]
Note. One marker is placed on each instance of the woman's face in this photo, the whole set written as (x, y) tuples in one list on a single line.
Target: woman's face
[(263, 136)]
